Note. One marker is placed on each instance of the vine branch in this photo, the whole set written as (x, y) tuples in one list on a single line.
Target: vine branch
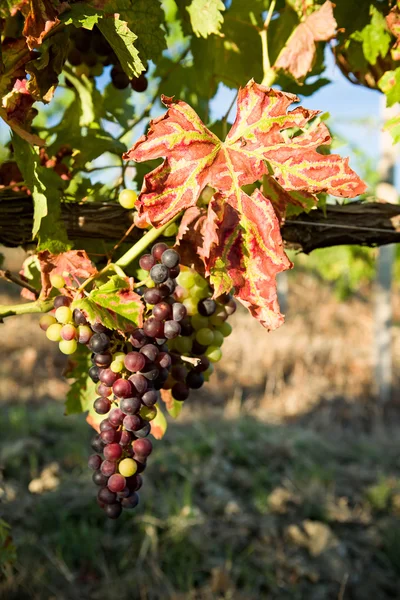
[(12, 278)]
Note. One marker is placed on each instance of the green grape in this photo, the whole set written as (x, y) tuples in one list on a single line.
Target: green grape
[(218, 338), (53, 332), (197, 292), (225, 329), (213, 353), (186, 279), (57, 281), (148, 414), (205, 336), (191, 306), (200, 281), (127, 467), (68, 347), (183, 344), (45, 321), (117, 366), (120, 356), (63, 314), (171, 230), (216, 320), (199, 322), (127, 199)]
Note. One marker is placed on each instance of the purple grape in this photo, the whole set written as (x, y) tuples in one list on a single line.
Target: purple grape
[(108, 468), (142, 447), (179, 372), (150, 351), (100, 328), (102, 406), (138, 338), (152, 296), (186, 327), (103, 390), (94, 462), (198, 348), (171, 329), (61, 301), (124, 493), (112, 452), (146, 262), (230, 307), (141, 463), (102, 360), (132, 423), (150, 398), (108, 436), (158, 250), (130, 406), (99, 342), (122, 388), (99, 479), (153, 328), (131, 502), (170, 258), (79, 317), (168, 287), (207, 307), (164, 360), (179, 311), (161, 311), (159, 273), (94, 374), (195, 380), (117, 482), (174, 272), (202, 365), (108, 377), (106, 496), (113, 510), (97, 444), (151, 372), (105, 425), (134, 361), (126, 438), (116, 417), (180, 391), (144, 431), (139, 383)]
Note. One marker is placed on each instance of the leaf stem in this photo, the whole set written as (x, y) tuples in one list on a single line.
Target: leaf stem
[(11, 278), (137, 249), (39, 306), (269, 73)]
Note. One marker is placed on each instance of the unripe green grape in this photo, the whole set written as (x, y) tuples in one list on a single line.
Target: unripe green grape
[(199, 322), (45, 321), (216, 320), (218, 338), (148, 414), (225, 329), (213, 353), (68, 346), (63, 314), (186, 279), (84, 334), (205, 336), (120, 356), (200, 281), (197, 292), (127, 467), (183, 344), (117, 366), (127, 199), (191, 306), (171, 230), (57, 281), (53, 332)]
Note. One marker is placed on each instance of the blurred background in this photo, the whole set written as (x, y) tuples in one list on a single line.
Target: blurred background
[(281, 478)]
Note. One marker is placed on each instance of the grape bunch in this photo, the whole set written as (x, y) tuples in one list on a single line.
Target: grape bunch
[(90, 52)]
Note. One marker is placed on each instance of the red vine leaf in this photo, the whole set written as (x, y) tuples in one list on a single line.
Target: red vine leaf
[(297, 57), (265, 140), (72, 265), (393, 23), (42, 17), (281, 198)]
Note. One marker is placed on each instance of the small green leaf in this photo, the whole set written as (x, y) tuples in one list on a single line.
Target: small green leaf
[(117, 296), (389, 83), (393, 126), (82, 15), (206, 16), (375, 37), (122, 39), (82, 392), (84, 90)]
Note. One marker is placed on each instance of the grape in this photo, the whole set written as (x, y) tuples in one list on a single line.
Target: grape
[(106, 496), (97, 444), (99, 342), (46, 321), (127, 199), (79, 317), (116, 417), (131, 502), (191, 306), (159, 273), (102, 406), (102, 389), (153, 328), (68, 332), (126, 438), (140, 463), (150, 352), (130, 406), (171, 329), (186, 327), (218, 338), (213, 353), (230, 307), (117, 366), (204, 336), (108, 467), (127, 467), (170, 258), (174, 272), (195, 380), (183, 345), (225, 329), (152, 295), (94, 374), (120, 80), (112, 451), (63, 314), (186, 279), (139, 84), (68, 347), (198, 348), (138, 338), (99, 328), (74, 57), (139, 383), (105, 425), (108, 436), (102, 359), (158, 249), (132, 422), (180, 391), (108, 377), (179, 311), (57, 281), (202, 365), (53, 332), (168, 287), (179, 372), (146, 262), (99, 479), (141, 433), (116, 483), (94, 462), (114, 510), (163, 360), (199, 322), (150, 398), (135, 361), (61, 301), (148, 413), (207, 307), (84, 334), (118, 356), (162, 311), (123, 388), (142, 447)]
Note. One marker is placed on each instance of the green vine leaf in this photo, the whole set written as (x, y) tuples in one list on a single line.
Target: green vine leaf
[(159, 424), (122, 39), (206, 16), (389, 84), (82, 392), (374, 37)]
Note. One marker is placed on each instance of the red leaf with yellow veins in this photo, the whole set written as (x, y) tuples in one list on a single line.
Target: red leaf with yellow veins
[(242, 246), (281, 198), (72, 265)]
